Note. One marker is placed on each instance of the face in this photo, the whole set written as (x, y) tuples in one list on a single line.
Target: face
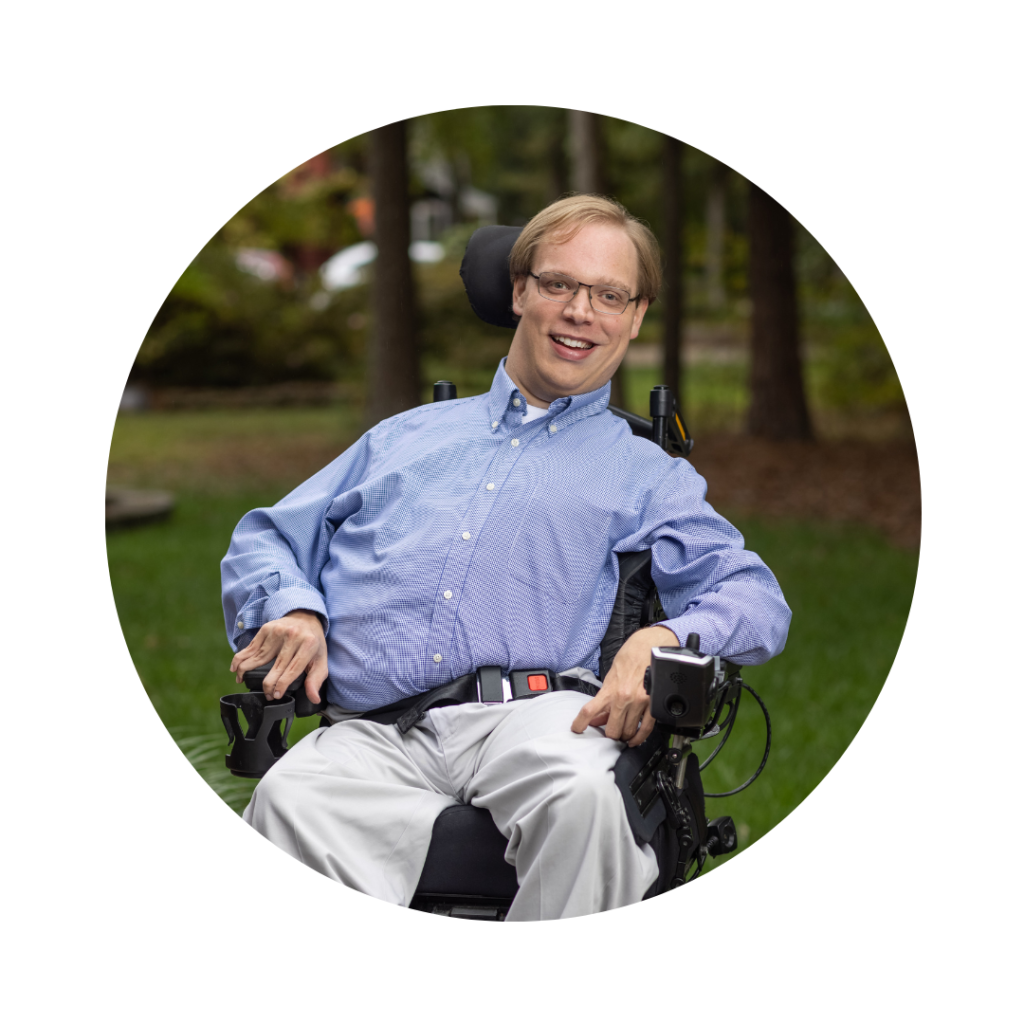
[(567, 348)]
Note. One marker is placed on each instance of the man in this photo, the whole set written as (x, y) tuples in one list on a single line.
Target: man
[(482, 532)]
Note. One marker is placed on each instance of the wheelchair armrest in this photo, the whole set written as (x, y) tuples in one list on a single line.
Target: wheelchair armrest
[(304, 707)]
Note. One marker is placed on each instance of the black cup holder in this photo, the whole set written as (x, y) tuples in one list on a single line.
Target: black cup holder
[(264, 741)]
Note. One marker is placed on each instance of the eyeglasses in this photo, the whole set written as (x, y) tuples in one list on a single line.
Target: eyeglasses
[(603, 297)]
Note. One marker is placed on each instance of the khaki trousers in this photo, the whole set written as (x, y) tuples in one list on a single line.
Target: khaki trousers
[(357, 802)]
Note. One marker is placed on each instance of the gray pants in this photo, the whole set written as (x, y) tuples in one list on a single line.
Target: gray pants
[(357, 802)]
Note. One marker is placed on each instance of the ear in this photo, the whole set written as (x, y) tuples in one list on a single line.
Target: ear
[(518, 291), (638, 317)]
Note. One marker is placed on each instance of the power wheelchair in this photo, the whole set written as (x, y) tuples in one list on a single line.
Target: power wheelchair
[(693, 696)]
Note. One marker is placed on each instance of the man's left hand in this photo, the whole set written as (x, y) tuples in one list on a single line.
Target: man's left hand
[(623, 706)]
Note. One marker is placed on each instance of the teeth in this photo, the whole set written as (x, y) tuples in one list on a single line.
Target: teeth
[(572, 343)]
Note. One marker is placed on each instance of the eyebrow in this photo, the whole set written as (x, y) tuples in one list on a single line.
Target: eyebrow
[(593, 284)]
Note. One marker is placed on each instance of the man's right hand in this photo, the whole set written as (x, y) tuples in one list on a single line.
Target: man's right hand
[(295, 643)]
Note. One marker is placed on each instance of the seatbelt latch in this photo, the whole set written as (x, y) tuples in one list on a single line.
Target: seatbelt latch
[(531, 682)]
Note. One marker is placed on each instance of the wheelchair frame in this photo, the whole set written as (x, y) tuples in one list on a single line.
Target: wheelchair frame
[(659, 780)]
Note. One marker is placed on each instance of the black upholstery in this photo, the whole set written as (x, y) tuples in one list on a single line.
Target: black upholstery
[(636, 605), (467, 857), (484, 272)]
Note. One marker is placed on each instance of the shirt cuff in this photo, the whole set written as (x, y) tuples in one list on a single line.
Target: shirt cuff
[(711, 640), (292, 599), (740, 645)]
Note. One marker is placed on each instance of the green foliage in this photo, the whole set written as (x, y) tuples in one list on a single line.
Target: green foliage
[(633, 157), (297, 212), (221, 326), (850, 365), (516, 153), (455, 343)]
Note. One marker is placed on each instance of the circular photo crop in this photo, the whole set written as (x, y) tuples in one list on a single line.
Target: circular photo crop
[(513, 513)]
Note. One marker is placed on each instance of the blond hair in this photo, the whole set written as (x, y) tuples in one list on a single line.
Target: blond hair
[(566, 216)]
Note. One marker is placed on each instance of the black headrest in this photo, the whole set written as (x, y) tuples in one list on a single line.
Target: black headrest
[(484, 272)]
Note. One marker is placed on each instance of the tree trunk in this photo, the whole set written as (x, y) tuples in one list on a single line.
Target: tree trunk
[(586, 147), (778, 408), (714, 262), (558, 164), (673, 292), (393, 374)]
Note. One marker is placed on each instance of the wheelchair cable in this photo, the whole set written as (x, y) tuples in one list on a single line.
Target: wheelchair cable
[(767, 747), (730, 719)]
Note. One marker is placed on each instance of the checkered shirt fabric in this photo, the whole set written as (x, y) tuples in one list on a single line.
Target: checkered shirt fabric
[(454, 535)]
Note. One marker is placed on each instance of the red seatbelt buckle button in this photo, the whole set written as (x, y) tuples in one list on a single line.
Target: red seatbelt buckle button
[(531, 682)]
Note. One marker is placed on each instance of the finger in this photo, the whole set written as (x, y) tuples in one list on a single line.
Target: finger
[(588, 713), (293, 660), (316, 675), (621, 716), (272, 680), (261, 649), (254, 658), (289, 674), (273, 685), (241, 654), (647, 725)]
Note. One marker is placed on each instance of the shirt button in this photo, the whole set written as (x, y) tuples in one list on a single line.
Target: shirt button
[(240, 623), (465, 536), (447, 595), (494, 425), (516, 402), (490, 487), (515, 442), (552, 428), (437, 657)]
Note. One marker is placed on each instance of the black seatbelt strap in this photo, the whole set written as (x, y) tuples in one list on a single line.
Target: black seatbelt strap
[(477, 687)]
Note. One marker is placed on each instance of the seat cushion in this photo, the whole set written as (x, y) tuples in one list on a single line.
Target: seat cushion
[(467, 856)]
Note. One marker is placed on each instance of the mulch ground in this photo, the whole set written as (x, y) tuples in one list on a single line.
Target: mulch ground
[(868, 482)]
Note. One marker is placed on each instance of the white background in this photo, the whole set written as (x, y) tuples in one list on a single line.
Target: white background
[(132, 132)]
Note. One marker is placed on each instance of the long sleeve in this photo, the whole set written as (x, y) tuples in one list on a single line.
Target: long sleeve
[(708, 583), (276, 555), (457, 534)]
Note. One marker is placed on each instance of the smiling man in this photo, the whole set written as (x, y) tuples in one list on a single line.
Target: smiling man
[(484, 532)]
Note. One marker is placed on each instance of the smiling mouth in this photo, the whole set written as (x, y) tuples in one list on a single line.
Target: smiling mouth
[(573, 343)]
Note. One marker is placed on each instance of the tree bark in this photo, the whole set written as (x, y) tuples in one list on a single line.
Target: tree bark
[(714, 263), (673, 292), (778, 407), (393, 374), (587, 149), (558, 163)]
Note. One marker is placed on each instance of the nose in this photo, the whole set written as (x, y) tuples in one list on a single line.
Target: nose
[(578, 308)]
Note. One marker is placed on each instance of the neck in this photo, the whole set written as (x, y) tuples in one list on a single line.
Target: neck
[(531, 398)]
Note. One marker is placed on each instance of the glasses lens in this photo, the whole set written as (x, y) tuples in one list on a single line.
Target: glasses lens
[(559, 288), (608, 300)]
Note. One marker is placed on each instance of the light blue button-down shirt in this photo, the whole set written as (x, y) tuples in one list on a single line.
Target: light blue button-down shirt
[(456, 535)]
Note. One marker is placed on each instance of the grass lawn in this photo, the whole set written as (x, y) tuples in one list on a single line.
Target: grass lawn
[(849, 589)]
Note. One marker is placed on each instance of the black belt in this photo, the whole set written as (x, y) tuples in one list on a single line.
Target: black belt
[(487, 685)]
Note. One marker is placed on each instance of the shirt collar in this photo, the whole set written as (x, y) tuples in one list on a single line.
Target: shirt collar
[(568, 409)]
